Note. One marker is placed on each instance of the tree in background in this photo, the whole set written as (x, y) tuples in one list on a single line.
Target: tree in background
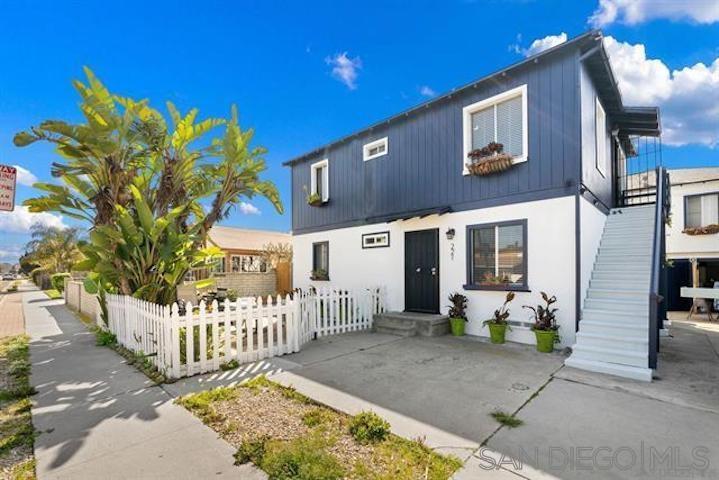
[(149, 193), (53, 250), (275, 253)]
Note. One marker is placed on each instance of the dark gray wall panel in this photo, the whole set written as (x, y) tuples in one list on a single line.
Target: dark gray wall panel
[(423, 166)]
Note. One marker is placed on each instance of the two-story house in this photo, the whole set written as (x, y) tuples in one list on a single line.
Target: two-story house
[(425, 203)]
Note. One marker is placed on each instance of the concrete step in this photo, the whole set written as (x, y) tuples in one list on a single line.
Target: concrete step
[(408, 324), (630, 307), (634, 329), (611, 355), (621, 275), (618, 265), (613, 316), (613, 339), (618, 292), (637, 373), (634, 285)]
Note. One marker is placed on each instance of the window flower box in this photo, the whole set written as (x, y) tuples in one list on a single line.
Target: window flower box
[(707, 230), (488, 160), (319, 275)]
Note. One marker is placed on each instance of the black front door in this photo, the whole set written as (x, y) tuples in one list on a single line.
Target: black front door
[(421, 271)]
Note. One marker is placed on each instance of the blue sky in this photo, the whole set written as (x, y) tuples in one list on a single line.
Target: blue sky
[(305, 73)]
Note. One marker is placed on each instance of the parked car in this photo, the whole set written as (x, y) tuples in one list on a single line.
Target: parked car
[(8, 276)]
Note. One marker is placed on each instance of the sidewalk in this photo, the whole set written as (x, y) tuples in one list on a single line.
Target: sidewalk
[(11, 315), (98, 417)]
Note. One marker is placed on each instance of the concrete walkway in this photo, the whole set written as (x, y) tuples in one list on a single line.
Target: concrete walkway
[(98, 417)]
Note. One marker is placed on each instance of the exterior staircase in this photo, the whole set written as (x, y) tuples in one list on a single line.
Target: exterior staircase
[(409, 324), (613, 334)]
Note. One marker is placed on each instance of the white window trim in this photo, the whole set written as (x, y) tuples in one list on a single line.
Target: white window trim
[(369, 146), (600, 161), (481, 105), (324, 164)]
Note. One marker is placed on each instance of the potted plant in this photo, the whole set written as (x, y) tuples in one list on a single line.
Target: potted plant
[(706, 230), (545, 324), (498, 325), (313, 199), (457, 313), (488, 159)]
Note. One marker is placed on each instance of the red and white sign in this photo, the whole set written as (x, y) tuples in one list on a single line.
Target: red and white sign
[(8, 181)]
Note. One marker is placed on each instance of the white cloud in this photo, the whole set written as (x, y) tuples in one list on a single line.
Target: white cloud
[(10, 253), (249, 209), (20, 220), (345, 68), (25, 176), (427, 91), (632, 12), (540, 44), (687, 97)]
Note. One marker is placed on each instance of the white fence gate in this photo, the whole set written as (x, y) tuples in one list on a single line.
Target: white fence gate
[(200, 339)]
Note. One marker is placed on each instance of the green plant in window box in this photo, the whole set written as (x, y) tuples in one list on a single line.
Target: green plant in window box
[(457, 313), (492, 280), (319, 275), (545, 323), (499, 324), (313, 199)]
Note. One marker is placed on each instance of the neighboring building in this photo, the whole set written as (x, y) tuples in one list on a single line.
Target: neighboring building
[(695, 210), (396, 204), (243, 268)]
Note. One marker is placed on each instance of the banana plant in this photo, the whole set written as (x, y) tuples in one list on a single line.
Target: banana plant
[(148, 194)]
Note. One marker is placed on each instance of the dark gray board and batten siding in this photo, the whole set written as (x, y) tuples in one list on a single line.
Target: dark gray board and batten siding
[(423, 166)]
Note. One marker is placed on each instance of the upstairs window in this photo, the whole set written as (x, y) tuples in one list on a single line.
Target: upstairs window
[(374, 149), (497, 256), (601, 140), (701, 210), (320, 181), (502, 119)]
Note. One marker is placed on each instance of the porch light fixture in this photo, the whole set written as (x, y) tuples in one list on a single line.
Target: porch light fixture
[(450, 234)]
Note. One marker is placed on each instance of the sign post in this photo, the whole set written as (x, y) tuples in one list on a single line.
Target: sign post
[(8, 182)]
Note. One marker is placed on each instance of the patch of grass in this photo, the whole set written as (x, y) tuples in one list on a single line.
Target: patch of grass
[(105, 338), (312, 441), (317, 416), (201, 403), (231, 365), (251, 451), (368, 427), (17, 434), (506, 419), (53, 294), (300, 459)]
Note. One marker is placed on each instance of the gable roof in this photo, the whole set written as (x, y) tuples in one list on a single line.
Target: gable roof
[(631, 121), (230, 238)]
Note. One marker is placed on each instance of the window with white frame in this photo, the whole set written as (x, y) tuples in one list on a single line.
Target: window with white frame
[(320, 181), (248, 263), (497, 256), (375, 149), (501, 119), (601, 140), (701, 210), (218, 265)]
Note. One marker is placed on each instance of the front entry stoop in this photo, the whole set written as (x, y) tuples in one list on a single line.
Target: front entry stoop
[(409, 324)]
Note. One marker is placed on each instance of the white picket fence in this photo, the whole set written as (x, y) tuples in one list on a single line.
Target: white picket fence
[(202, 338)]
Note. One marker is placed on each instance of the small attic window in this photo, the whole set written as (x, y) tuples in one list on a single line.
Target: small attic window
[(375, 149)]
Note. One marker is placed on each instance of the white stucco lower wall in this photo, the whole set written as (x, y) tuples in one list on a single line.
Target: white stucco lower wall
[(550, 255), (591, 221), (681, 245)]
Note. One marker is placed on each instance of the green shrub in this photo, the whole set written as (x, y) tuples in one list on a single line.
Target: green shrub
[(251, 451), (231, 365), (105, 338), (316, 416), (301, 459), (368, 427), (58, 281)]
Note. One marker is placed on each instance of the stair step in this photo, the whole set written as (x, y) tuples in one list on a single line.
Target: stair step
[(625, 318), (588, 325), (611, 355), (637, 373), (621, 275), (617, 293), (634, 285), (615, 340), (631, 307)]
